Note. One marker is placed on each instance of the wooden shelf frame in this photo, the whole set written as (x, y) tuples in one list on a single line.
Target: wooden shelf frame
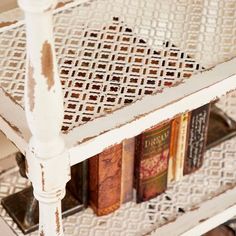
[(204, 218), (47, 146), (131, 120)]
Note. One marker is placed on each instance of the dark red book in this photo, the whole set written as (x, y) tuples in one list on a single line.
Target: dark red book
[(105, 180), (151, 162)]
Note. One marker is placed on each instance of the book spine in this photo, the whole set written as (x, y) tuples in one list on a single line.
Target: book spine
[(181, 145), (196, 139), (175, 125), (151, 154), (105, 180), (127, 170)]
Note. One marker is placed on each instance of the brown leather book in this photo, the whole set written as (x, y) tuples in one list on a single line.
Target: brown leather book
[(127, 176), (151, 162), (105, 180), (175, 126), (196, 141)]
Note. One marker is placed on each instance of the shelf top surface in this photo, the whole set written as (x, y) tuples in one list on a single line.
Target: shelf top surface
[(114, 53)]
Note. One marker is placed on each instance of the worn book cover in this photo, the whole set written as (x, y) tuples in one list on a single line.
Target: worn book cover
[(105, 180), (127, 176), (181, 145), (175, 125), (197, 133), (151, 162)]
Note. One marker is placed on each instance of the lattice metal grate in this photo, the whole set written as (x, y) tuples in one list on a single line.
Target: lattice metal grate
[(218, 174), (104, 53), (116, 68)]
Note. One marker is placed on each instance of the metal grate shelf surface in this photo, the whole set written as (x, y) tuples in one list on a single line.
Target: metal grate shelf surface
[(116, 57), (112, 53)]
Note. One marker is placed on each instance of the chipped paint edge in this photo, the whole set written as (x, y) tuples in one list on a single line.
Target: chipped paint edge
[(21, 21), (207, 216), (101, 136), (6, 23), (9, 111), (131, 120)]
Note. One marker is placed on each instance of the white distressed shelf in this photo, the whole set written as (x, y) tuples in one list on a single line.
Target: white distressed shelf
[(108, 63), (208, 198), (126, 65)]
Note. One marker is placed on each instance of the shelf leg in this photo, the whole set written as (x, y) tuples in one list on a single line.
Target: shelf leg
[(47, 156), (50, 221), (49, 178)]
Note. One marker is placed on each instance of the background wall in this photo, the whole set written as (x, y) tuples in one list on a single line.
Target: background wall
[(6, 5)]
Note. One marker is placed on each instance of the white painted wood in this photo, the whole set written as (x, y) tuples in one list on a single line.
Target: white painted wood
[(207, 216), (50, 218), (151, 110), (13, 16), (130, 120), (47, 157), (15, 129), (47, 113), (134, 118)]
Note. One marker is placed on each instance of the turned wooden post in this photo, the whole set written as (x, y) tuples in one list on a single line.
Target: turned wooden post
[(47, 157)]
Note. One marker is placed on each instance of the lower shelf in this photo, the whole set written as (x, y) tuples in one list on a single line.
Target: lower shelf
[(202, 218), (192, 206)]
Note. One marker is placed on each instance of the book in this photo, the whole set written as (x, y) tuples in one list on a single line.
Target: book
[(196, 142), (105, 180), (127, 174), (175, 126), (151, 162), (181, 145)]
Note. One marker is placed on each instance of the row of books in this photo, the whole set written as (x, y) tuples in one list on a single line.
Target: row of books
[(142, 167)]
